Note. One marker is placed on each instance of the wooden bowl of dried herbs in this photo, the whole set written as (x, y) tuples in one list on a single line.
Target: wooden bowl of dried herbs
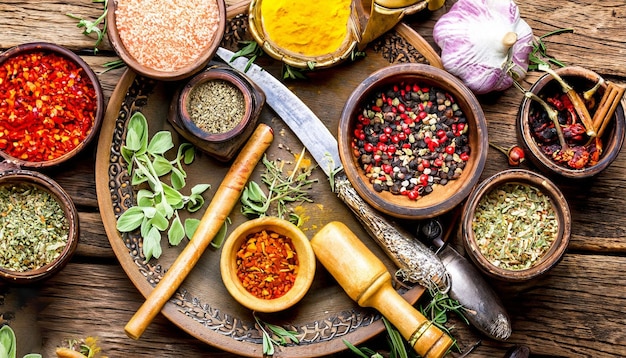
[(217, 110), (516, 225), (39, 224)]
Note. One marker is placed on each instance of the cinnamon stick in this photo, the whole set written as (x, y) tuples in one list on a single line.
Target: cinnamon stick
[(608, 104)]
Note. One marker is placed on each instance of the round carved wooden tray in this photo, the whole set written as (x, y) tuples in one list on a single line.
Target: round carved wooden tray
[(202, 305)]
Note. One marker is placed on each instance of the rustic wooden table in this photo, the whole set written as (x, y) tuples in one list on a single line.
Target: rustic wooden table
[(575, 311)]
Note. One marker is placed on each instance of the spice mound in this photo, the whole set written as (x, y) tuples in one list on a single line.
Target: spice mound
[(310, 28), (33, 227), (216, 106), (267, 264), (167, 35), (47, 106), (410, 138), (515, 226)]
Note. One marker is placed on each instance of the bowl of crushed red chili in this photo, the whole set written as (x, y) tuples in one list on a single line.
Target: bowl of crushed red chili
[(516, 225), (51, 104), (412, 141), (267, 264), (39, 222), (573, 137)]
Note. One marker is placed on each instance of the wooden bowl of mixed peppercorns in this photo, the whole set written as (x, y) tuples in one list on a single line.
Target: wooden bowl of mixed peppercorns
[(413, 141), (39, 226), (52, 105), (267, 264), (516, 225)]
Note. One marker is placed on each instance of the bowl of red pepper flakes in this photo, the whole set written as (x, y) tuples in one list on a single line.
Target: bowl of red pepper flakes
[(267, 264), (573, 134), (413, 141), (51, 104), (40, 226)]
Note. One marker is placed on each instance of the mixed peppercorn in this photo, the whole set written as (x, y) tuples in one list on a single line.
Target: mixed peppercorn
[(47, 106), (411, 137), (267, 264)]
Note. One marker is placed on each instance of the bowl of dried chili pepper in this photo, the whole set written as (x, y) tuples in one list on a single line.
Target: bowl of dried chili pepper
[(51, 104), (39, 224), (267, 264), (413, 141), (516, 225), (571, 123)]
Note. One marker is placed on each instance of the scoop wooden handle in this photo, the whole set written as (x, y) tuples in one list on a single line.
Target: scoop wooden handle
[(220, 207), (367, 281)]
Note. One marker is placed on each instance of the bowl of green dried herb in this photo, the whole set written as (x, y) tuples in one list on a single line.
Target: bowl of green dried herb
[(516, 225), (217, 110), (39, 225)]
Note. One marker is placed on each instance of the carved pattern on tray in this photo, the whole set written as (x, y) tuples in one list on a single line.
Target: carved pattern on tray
[(123, 197)]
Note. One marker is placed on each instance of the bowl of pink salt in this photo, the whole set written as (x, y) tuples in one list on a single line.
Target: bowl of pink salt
[(305, 34), (166, 40)]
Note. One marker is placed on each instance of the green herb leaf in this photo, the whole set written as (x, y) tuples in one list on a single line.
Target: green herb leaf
[(196, 201), (177, 178), (152, 244), (7, 342), (189, 153), (191, 225), (162, 166), (218, 241), (161, 143), (176, 232), (130, 219), (198, 189), (159, 220)]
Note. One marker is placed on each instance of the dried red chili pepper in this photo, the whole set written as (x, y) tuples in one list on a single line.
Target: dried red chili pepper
[(47, 106), (267, 264)]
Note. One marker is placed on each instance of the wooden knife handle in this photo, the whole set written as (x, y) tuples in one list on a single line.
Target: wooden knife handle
[(220, 207), (366, 280)]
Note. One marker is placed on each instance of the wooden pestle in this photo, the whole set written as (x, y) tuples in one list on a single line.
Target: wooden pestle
[(367, 281), (220, 207)]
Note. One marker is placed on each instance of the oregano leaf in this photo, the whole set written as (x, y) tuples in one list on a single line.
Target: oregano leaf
[(191, 225), (152, 244), (177, 178), (130, 219), (161, 165), (196, 201), (200, 188), (176, 233), (160, 143)]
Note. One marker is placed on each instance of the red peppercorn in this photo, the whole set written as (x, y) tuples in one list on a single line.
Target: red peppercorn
[(450, 149), (464, 156), (368, 147), (413, 195), (516, 155)]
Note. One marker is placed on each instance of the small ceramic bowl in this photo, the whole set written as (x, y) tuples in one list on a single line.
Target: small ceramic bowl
[(370, 166), (305, 266), (91, 103), (135, 32), (12, 177), (203, 92), (612, 139), (483, 209), (258, 30)]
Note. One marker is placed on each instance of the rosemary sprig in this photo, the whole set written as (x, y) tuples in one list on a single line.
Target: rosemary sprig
[(278, 336), (282, 190), (252, 50), (290, 72), (399, 348), (112, 65), (438, 309), (94, 26)]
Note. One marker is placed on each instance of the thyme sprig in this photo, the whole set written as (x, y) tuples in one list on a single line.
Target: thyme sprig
[(274, 335), (158, 204), (93, 26), (282, 190)]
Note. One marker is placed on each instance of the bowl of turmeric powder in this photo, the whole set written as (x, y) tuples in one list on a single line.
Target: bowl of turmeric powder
[(305, 34), (267, 264)]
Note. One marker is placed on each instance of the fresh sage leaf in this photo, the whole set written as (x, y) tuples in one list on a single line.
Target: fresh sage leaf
[(191, 225), (130, 219), (178, 179), (176, 232), (161, 143), (152, 244), (173, 196), (161, 165), (145, 198), (218, 240), (159, 220), (198, 189), (196, 202), (189, 154)]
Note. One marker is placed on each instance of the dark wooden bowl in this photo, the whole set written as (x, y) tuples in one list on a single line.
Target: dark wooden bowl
[(192, 68), (100, 105), (580, 79), (444, 197), (222, 146), (563, 217), (10, 174)]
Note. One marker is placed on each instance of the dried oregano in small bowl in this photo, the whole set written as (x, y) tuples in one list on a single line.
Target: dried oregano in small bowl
[(38, 226)]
